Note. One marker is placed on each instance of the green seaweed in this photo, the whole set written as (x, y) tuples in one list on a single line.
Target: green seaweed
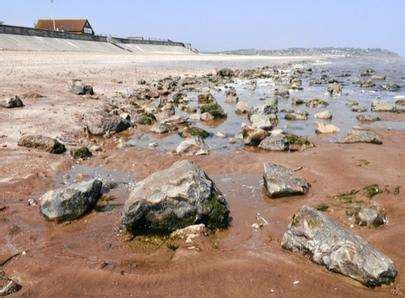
[(347, 197), (81, 153), (371, 190), (195, 132), (217, 213), (321, 207), (214, 109), (147, 119)]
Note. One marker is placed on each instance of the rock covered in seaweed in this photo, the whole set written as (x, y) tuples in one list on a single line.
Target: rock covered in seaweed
[(174, 198)]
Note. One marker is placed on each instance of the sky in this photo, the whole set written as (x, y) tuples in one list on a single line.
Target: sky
[(232, 24)]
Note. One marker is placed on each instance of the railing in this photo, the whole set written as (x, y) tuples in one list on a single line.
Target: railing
[(7, 29)]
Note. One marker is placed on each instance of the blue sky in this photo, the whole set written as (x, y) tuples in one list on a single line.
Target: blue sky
[(232, 24)]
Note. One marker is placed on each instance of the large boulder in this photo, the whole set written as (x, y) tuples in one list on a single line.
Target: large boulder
[(43, 143), (314, 234), (99, 124), (71, 202), (280, 181), (11, 102), (174, 198)]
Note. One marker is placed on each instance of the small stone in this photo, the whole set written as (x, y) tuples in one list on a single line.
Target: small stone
[(159, 128), (242, 108), (43, 143), (192, 146), (367, 118), (12, 102), (280, 181), (370, 217), (382, 106), (326, 128), (326, 114), (361, 136)]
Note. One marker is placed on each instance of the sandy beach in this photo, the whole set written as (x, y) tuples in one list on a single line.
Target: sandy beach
[(91, 256)]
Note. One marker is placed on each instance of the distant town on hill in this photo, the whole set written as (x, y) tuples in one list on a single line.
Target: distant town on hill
[(327, 51)]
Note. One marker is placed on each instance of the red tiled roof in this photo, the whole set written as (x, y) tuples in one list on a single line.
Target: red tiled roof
[(62, 25)]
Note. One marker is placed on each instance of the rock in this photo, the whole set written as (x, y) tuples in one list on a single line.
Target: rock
[(175, 198), (71, 202), (390, 87), (296, 84), (297, 143), (326, 128), (99, 124), (367, 72), (367, 118), (193, 131), (81, 153), (225, 73), (159, 128), (325, 242), (266, 122), (10, 288), (205, 98), (296, 116), (367, 84), (242, 108), (214, 109), (316, 102), (77, 87), (335, 89), (361, 136), (274, 142), (192, 146), (358, 109), (43, 143), (369, 216), (206, 117), (382, 106), (282, 92), (253, 136), (12, 102), (297, 101), (190, 232), (269, 107), (326, 114), (231, 96), (280, 181)]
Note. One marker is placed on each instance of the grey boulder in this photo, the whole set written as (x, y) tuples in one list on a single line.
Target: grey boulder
[(174, 198), (71, 202), (314, 234), (280, 181)]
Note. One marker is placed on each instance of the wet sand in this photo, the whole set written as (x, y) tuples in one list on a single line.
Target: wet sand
[(91, 257)]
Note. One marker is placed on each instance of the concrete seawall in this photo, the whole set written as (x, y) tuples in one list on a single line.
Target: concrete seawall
[(29, 39)]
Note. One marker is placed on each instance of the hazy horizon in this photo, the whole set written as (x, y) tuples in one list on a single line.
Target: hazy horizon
[(231, 25)]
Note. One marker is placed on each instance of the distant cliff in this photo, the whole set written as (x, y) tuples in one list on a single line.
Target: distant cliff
[(313, 52)]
